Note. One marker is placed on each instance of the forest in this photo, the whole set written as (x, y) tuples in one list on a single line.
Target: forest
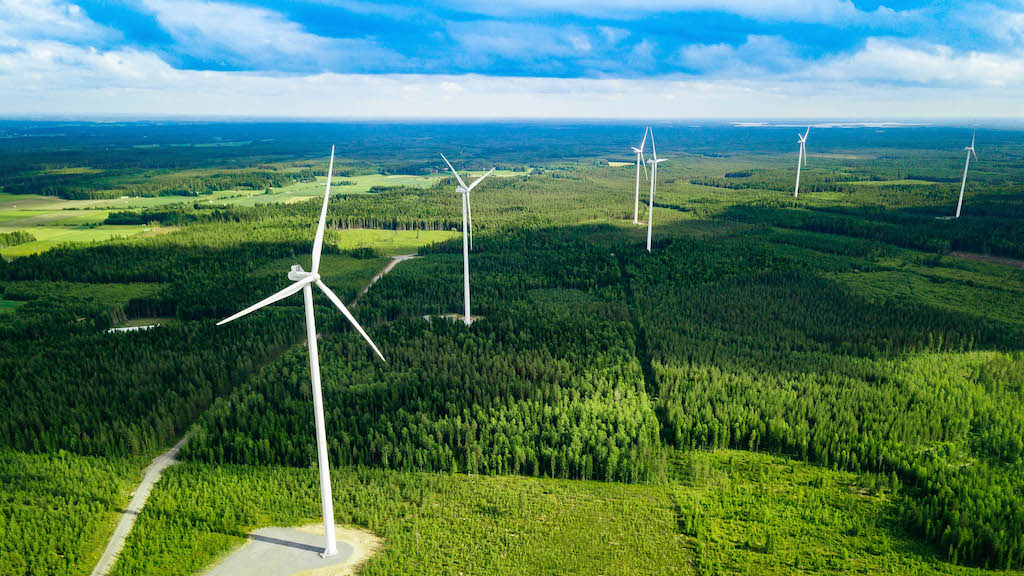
[(776, 370)]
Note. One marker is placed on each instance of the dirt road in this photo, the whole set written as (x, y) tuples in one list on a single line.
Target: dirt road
[(124, 526)]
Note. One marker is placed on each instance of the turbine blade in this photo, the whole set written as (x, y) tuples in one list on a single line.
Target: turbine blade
[(459, 178), (643, 162), (654, 149), (318, 243), (269, 300), (644, 141), (337, 302), (478, 180)]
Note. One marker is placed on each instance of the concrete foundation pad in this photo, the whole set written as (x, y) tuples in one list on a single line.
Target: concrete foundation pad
[(278, 551)]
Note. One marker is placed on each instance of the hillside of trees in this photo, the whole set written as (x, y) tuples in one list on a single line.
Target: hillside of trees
[(548, 383), (831, 338), (752, 349)]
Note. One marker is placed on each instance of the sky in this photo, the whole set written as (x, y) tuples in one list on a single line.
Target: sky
[(657, 59)]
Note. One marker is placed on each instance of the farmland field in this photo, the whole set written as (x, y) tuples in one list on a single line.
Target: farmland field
[(826, 384)]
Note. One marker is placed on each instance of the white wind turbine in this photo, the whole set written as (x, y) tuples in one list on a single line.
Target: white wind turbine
[(801, 160), (303, 281), (963, 185), (654, 186), (467, 223), (639, 162)]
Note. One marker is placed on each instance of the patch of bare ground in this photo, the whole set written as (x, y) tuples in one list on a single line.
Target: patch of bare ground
[(364, 545), (990, 259)]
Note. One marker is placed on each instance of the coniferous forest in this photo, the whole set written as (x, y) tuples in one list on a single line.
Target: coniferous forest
[(826, 384)]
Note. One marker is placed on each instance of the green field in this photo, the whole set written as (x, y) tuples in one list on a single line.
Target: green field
[(9, 306), (55, 221), (49, 236), (359, 184), (388, 242), (146, 321), (908, 182), (722, 512)]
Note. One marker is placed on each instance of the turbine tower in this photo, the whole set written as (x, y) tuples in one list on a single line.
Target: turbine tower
[(801, 160), (654, 186), (467, 223), (303, 281), (639, 162), (963, 184)]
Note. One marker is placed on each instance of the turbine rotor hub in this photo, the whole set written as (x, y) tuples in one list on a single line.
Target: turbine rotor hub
[(297, 273)]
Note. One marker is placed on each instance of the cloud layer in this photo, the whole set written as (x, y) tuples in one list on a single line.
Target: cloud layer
[(469, 58)]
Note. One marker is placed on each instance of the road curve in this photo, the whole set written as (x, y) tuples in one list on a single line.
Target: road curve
[(124, 526), (394, 262)]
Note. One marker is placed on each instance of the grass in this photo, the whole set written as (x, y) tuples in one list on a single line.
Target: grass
[(55, 221), (49, 236), (388, 242), (359, 184), (726, 512), (143, 322), (9, 306), (893, 183), (112, 295), (940, 288)]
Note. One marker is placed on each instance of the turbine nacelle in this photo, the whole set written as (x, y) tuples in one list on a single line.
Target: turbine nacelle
[(467, 227), (300, 278), (297, 273)]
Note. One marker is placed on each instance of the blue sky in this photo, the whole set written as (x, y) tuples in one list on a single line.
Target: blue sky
[(513, 58)]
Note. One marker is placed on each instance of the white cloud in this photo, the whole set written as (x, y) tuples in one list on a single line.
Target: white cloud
[(641, 56), (1005, 25), (52, 19), (59, 79), (896, 61), (887, 61), (757, 54), (613, 35), (258, 38), (835, 11), (487, 38), (48, 68), (45, 65)]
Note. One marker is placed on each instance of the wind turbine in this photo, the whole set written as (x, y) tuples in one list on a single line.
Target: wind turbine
[(467, 222), (801, 160), (639, 162), (654, 186), (303, 281), (963, 185)]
